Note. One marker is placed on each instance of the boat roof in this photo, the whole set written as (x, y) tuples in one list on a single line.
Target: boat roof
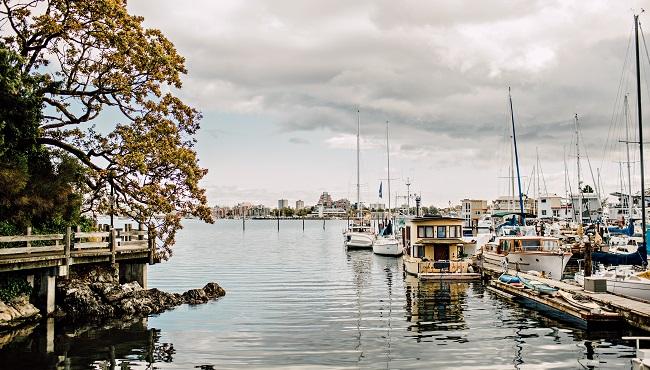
[(435, 217), (527, 237)]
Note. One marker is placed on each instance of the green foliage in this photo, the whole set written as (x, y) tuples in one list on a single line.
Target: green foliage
[(587, 189), (13, 288), (38, 187)]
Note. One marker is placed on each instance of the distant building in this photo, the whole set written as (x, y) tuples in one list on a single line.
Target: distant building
[(259, 211), (377, 206), (325, 200), (300, 205), (242, 209), (283, 203), (343, 204), (221, 212), (550, 206), (472, 210), (508, 203), (591, 208)]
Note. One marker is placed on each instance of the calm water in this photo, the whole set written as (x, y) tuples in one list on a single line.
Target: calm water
[(298, 300)]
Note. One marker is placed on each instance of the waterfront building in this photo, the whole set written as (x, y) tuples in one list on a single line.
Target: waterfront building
[(242, 209), (221, 212), (591, 208), (342, 203), (300, 205), (259, 211), (283, 203), (325, 200), (510, 203), (550, 206), (472, 210), (377, 206)]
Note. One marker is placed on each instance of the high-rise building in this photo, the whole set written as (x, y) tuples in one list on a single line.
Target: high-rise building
[(300, 205), (283, 203), (325, 199)]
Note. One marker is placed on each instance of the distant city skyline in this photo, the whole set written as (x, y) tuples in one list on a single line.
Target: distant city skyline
[(283, 125)]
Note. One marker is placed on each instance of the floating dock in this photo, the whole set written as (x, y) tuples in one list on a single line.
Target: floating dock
[(636, 313)]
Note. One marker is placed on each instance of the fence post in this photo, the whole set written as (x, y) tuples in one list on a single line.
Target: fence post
[(152, 243), (113, 245), (29, 232), (66, 248)]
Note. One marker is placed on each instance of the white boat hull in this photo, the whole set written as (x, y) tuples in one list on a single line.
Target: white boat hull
[(387, 247), (637, 289), (358, 240), (550, 264)]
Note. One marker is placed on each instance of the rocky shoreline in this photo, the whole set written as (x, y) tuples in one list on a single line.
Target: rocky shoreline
[(95, 295)]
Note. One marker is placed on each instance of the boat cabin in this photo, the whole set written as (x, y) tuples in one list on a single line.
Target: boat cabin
[(434, 238), (505, 245)]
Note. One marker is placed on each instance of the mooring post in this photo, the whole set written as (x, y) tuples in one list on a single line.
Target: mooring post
[(278, 220), (243, 223), (303, 223), (323, 223)]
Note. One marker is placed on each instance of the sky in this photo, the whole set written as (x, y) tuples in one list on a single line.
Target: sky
[(279, 83)]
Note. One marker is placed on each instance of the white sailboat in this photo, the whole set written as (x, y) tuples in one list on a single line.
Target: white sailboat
[(358, 234), (386, 243)]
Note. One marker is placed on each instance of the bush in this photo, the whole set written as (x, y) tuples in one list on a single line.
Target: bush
[(14, 287)]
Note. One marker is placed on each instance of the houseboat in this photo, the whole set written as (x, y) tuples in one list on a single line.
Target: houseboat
[(527, 253), (434, 249)]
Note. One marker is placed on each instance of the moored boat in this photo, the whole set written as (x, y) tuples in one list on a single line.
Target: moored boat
[(434, 249), (525, 253)]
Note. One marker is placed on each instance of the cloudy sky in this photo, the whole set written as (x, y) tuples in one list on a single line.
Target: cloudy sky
[(278, 82)]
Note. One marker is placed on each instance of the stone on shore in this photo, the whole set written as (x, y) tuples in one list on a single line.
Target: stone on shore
[(17, 312), (96, 295)]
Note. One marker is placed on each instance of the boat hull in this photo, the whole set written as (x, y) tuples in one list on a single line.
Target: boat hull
[(354, 240), (550, 264), (387, 247)]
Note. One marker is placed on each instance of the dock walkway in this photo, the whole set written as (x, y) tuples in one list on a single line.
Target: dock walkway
[(635, 312)]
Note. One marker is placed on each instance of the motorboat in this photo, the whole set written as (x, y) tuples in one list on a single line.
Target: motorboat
[(623, 280), (525, 253)]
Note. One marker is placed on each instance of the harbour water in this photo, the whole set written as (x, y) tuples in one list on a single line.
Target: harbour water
[(298, 299)]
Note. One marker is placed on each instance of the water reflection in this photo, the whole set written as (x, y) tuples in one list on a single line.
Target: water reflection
[(435, 306), (115, 345)]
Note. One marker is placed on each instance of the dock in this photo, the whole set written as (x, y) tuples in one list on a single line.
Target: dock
[(636, 313)]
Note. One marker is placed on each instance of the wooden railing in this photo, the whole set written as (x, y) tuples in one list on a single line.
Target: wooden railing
[(78, 243)]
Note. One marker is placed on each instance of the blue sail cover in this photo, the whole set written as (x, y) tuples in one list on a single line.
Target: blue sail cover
[(638, 258), (629, 230)]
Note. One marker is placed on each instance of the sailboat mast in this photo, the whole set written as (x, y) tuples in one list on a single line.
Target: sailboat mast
[(638, 97), (514, 142), (388, 163), (578, 169), (358, 165), (629, 164)]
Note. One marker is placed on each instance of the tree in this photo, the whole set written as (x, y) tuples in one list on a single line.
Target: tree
[(39, 188), (587, 189), (93, 62)]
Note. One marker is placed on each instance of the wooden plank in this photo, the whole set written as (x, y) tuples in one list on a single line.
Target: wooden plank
[(133, 233), (26, 238), (27, 250), (87, 245), (93, 234), (141, 243)]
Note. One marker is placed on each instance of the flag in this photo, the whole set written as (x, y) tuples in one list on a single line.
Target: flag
[(380, 184)]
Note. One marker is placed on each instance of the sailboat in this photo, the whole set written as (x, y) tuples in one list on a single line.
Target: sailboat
[(386, 243), (640, 256), (522, 252), (359, 234)]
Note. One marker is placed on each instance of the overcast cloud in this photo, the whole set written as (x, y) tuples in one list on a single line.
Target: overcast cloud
[(279, 82)]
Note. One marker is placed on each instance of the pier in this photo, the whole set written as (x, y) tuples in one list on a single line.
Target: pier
[(43, 258), (636, 313)]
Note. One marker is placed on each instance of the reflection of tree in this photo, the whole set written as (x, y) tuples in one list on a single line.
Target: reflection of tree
[(435, 305), (113, 346)]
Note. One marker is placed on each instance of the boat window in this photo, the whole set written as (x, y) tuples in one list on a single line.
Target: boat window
[(505, 246), (529, 244), (442, 231), (418, 250), (452, 232), (548, 245)]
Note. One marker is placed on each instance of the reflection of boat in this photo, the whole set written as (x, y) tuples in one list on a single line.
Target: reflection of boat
[(435, 305), (526, 253), (435, 249)]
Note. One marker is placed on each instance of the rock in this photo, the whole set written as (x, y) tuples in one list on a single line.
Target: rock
[(195, 296), (17, 312), (213, 290)]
